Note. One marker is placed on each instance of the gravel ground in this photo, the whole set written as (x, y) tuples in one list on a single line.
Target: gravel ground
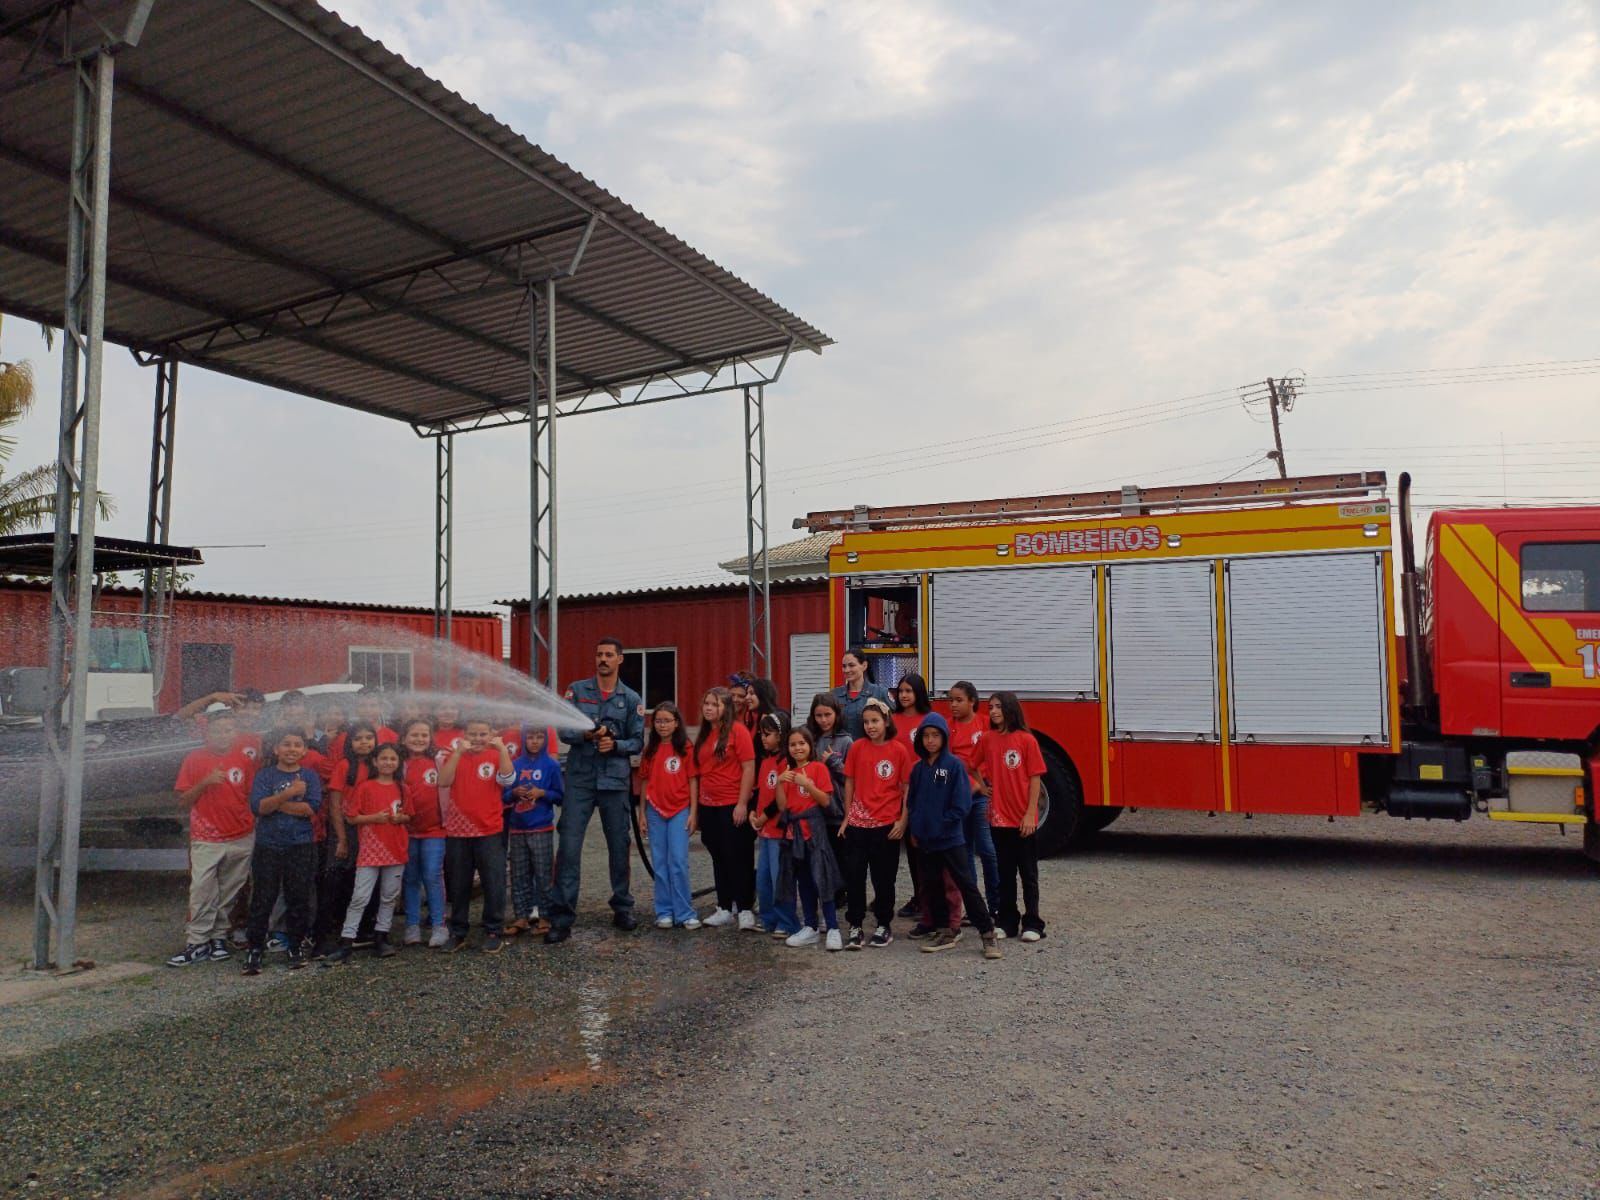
[(1276, 1008)]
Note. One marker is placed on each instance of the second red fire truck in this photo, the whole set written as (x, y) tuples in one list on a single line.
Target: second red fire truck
[(1232, 648)]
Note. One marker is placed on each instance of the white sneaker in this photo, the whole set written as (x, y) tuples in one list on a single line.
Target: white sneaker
[(999, 933), (1031, 935), (747, 921), (719, 918), (413, 936), (441, 937), (806, 937), (835, 942), (663, 922), (692, 923)]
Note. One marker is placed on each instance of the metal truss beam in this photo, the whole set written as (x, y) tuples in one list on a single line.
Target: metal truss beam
[(731, 373), (77, 482), (543, 646), (758, 579), (138, 282), (156, 596)]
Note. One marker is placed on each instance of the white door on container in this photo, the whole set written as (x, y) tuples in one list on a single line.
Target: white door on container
[(1163, 649), (1307, 649), (809, 671)]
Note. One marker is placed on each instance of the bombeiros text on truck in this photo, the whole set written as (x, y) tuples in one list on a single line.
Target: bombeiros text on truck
[(1233, 647)]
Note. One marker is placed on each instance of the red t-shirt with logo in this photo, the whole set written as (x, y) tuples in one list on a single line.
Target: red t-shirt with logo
[(767, 774), (800, 801), (667, 774), (380, 845), (1009, 761), (879, 773), (339, 782), (720, 777), (447, 739), (422, 795), (222, 811), (965, 739), (476, 808)]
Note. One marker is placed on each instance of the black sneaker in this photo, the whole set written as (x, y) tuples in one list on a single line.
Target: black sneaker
[(317, 952), (625, 921), (856, 940), (492, 943), (557, 935), (198, 953), (881, 936), (381, 947), (343, 954), (219, 950), (295, 958), (910, 909), (252, 962), (455, 943), (919, 931)]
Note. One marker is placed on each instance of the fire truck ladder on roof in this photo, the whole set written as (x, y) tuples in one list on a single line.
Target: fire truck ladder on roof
[(1127, 501)]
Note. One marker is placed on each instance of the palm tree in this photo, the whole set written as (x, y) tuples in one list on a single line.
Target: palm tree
[(27, 498)]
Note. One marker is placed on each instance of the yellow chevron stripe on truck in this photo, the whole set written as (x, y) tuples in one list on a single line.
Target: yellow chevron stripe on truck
[(1484, 566)]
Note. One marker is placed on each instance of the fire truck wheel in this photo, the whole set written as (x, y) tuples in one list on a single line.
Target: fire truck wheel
[(1061, 822)]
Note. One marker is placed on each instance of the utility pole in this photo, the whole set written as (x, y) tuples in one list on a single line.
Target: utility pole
[(1277, 433)]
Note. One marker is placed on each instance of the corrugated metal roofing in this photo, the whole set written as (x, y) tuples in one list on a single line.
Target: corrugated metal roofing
[(811, 550), (688, 589), (296, 205), (34, 585)]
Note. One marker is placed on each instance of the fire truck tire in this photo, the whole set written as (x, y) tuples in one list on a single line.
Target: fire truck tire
[(1061, 812), (1096, 818)]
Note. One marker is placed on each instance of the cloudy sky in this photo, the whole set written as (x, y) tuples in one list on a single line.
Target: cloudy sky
[(1052, 241)]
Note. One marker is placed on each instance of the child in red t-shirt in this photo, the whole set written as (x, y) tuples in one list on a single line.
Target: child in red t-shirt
[(804, 794), (214, 782), (775, 911), (725, 761), (351, 767), (477, 773), (1011, 767), (425, 851), (669, 793), (379, 809), (876, 772)]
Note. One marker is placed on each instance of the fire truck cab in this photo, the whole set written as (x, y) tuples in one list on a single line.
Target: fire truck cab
[(1232, 648)]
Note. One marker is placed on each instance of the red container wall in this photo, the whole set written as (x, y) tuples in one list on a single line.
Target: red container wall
[(709, 630), (275, 646)]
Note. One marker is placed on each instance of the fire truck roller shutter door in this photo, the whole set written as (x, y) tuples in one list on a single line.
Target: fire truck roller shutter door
[(1163, 649), (1029, 630), (1307, 656)]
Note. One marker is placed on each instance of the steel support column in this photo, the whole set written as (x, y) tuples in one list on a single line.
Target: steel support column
[(444, 535), (542, 645), (77, 478), (759, 580), (159, 582)]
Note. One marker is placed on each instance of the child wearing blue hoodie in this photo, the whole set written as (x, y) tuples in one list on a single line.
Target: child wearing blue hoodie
[(938, 800), (531, 830)]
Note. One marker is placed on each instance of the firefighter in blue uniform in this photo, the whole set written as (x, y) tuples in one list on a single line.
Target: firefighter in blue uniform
[(598, 773)]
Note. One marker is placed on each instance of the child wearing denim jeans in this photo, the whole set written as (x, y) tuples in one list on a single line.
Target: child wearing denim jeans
[(424, 872), (775, 911)]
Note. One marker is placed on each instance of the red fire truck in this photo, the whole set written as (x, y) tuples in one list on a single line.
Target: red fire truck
[(1232, 648)]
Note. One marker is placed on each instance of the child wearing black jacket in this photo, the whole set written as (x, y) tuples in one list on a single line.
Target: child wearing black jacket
[(938, 800)]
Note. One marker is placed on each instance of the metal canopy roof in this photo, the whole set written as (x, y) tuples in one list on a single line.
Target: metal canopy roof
[(293, 204), (32, 554)]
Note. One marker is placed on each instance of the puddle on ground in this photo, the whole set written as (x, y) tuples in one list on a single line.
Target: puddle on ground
[(495, 1067)]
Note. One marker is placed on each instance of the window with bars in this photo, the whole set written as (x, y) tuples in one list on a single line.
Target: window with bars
[(375, 667)]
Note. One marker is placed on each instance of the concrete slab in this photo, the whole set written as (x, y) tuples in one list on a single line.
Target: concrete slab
[(18, 986)]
